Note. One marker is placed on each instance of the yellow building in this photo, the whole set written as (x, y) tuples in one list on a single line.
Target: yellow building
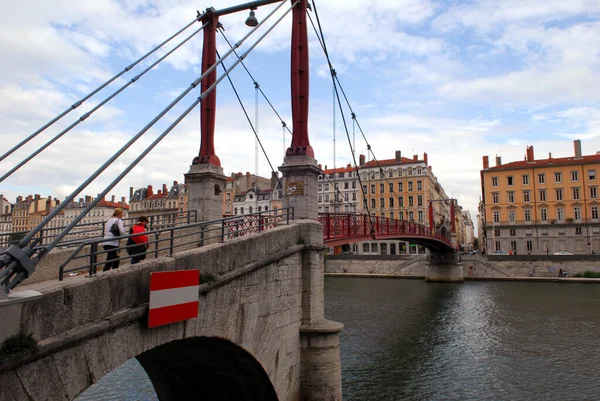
[(541, 206)]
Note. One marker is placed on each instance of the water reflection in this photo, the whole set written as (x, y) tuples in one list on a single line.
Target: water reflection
[(407, 339)]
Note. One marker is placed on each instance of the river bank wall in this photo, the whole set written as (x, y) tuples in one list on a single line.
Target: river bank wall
[(476, 267)]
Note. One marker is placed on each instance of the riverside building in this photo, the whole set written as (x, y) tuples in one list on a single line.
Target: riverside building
[(541, 206)]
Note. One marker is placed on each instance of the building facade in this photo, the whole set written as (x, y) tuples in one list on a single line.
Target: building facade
[(169, 204), (542, 206), (5, 220)]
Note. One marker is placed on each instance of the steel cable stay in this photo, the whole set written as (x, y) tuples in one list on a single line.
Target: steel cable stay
[(319, 34), (283, 124), (99, 88), (17, 259), (91, 111)]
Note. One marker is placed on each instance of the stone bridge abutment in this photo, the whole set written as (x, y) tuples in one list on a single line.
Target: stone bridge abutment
[(260, 332)]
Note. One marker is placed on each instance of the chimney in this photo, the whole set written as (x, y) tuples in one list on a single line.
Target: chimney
[(112, 199), (349, 165), (123, 201), (159, 193), (498, 161), (398, 156), (80, 200), (165, 189), (549, 155), (425, 158), (19, 198), (37, 196), (530, 157), (415, 157), (486, 162), (130, 192), (150, 192), (88, 199), (326, 167), (361, 160), (57, 202), (577, 145), (175, 183)]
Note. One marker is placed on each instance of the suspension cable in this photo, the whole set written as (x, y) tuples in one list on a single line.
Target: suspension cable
[(90, 112), (194, 84), (283, 124), (333, 74), (92, 93), (335, 78)]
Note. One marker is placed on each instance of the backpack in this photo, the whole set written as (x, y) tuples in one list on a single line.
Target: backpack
[(114, 229)]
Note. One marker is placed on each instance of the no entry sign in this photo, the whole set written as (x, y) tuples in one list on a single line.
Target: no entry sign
[(173, 296)]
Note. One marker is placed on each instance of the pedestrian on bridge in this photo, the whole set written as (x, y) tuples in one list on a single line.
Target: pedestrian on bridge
[(136, 246), (113, 228)]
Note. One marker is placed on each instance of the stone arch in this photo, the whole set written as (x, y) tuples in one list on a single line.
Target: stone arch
[(207, 369)]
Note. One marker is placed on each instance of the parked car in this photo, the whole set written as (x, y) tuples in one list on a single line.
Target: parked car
[(562, 253), (499, 253)]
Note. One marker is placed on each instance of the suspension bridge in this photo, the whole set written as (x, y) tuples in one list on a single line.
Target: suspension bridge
[(275, 327)]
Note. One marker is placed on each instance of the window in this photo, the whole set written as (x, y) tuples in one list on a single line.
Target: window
[(595, 212), (410, 201), (542, 178), (326, 187), (391, 202), (400, 187), (577, 213), (259, 208), (381, 175), (346, 196), (575, 176), (419, 185), (575, 193), (381, 188), (525, 180), (496, 232), (529, 245), (593, 193), (560, 214), (319, 187), (511, 216), (364, 203), (498, 246), (410, 186), (420, 216), (391, 214), (578, 231), (366, 247), (509, 180), (544, 214), (391, 187), (400, 215), (372, 188), (542, 195), (526, 196), (527, 214), (353, 184), (494, 181), (401, 200), (495, 197), (409, 171), (513, 233), (327, 198), (320, 198), (354, 196), (496, 216), (346, 185), (511, 197), (250, 209), (419, 200), (559, 194), (513, 246), (241, 210), (592, 175), (411, 216), (557, 177), (364, 189), (372, 203), (381, 203)]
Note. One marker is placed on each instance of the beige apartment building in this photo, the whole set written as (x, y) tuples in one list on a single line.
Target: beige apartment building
[(541, 206)]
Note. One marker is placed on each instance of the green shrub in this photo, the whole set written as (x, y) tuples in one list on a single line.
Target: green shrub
[(591, 274), (18, 343), (207, 278)]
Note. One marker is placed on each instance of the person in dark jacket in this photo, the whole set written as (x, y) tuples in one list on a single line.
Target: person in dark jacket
[(136, 246), (113, 229)]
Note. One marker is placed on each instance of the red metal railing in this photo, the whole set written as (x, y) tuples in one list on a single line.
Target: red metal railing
[(337, 226)]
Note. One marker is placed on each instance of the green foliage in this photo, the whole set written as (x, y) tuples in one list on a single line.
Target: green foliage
[(207, 278), (591, 274), (18, 343)]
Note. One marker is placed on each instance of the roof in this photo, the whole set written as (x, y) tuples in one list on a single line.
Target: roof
[(339, 170), (561, 161), (390, 162), (112, 204)]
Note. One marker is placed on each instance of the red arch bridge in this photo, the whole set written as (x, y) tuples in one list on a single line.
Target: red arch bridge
[(344, 228)]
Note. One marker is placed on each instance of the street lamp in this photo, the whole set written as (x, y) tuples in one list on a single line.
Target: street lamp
[(251, 20)]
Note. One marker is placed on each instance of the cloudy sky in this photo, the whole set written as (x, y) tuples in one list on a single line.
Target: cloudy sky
[(455, 79)]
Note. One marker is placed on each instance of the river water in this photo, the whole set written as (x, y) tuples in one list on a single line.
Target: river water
[(411, 340)]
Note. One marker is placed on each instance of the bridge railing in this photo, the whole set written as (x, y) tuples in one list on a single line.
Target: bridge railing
[(83, 232), (165, 241), (348, 225)]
